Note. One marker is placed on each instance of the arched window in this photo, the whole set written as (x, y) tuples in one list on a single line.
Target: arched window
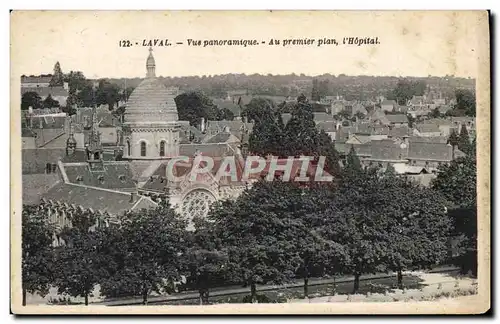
[(128, 148), (143, 148), (162, 148)]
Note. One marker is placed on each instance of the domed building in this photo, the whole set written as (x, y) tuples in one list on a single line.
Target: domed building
[(151, 127)]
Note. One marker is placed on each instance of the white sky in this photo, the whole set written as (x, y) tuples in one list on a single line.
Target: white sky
[(412, 43)]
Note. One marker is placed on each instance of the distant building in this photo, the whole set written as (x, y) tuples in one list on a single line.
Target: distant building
[(388, 105)]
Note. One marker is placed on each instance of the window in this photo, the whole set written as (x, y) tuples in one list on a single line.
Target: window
[(162, 148), (48, 168), (128, 147), (143, 148), (54, 168)]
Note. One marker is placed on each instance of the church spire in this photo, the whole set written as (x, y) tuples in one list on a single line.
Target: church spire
[(150, 64)]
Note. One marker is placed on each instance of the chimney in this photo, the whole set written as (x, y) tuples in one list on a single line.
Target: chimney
[(132, 197)]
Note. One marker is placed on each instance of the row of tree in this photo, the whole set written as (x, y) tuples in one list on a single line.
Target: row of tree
[(274, 233)]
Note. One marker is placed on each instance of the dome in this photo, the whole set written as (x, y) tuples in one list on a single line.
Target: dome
[(151, 101)]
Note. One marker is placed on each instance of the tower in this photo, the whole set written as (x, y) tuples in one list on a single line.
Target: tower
[(93, 145), (70, 142)]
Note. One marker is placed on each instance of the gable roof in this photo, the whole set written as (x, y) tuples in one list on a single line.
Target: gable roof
[(427, 128), (397, 118), (116, 175), (113, 202), (430, 151)]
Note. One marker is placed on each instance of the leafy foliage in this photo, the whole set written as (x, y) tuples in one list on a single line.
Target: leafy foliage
[(466, 102), (31, 99), (37, 252), (58, 77), (145, 253), (81, 259)]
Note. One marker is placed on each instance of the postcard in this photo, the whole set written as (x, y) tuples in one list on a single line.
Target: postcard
[(250, 162)]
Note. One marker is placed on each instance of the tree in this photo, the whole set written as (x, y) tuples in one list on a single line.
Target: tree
[(260, 235), (146, 255), (326, 148), (411, 120), (417, 224), (193, 106), (37, 252), (464, 144), (267, 137), (206, 260), (258, 109), (224, 114), (435, 113), (405, 90), (353, 165), (301, 134), (57, 77), (107, 94), (81, 259), (49, 102), (466, 102), (457, 182), (31, 99), (453, 138)]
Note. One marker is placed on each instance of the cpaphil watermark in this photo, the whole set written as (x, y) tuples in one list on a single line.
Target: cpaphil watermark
[(202, 168)]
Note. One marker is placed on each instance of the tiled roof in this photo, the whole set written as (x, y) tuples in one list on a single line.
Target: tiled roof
[(387, 150), (328, 126), (221, 138), (427, 128), (430, 151), (217, 149), (35, 185), (380, 130), (402, 131), (462, 120), (116, 175), (360, 149), (113, 202), (388, 102), (397, 118), (234, 125), (45, 91), (428, 139), (36, 79), (322, 117), (35, 160)]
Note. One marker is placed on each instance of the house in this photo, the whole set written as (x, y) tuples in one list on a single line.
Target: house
[(399, 133), (58, 93), (388, 105), (337, 107), (469, 122), (42, 81), (417, 173), (417, 103), (357, 139), (330, 127), (224, 137), (385, 152), (397, 120), (431, 155), (445, 125), (426, 130), (358, 108)]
